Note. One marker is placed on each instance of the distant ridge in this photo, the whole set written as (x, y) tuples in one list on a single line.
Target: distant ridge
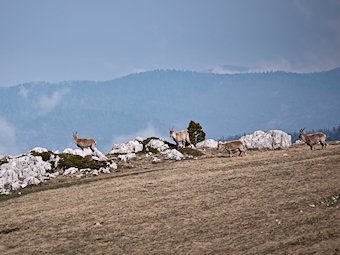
[(208, 72), (148, 103)]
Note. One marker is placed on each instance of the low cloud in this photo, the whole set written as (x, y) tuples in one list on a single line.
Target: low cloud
[(23, 91), (9, 144), (47, 104), (148, 131), (278, 64), (228, 69), (309, 62)]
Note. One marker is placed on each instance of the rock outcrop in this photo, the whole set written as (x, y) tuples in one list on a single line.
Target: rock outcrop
[(128, 147), (273, 139), (210, 143)]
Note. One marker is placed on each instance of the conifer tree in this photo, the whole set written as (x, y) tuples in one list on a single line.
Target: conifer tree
[(196, 132)]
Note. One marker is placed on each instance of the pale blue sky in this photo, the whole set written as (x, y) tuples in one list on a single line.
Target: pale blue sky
[(60, 40)]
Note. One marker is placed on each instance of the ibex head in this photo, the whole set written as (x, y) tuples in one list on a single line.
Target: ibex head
[(301, 132), (218, 143), (75, 135), (171, 131)]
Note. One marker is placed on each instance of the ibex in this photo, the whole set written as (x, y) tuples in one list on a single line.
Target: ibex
[(180, 136), (84, 142), (232, 145), (313, 139)]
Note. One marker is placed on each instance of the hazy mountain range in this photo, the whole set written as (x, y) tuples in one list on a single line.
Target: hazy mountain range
[(148, 104)]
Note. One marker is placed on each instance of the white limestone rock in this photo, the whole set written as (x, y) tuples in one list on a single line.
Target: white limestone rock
[(71, 170), (99, 155), (128, 147), (154, 159), (104, 170), (210, 143), (299, 142), (126, 157), (22, 171), (158, 144), (79, 152), (39, 150), (139, 139), (173, 154), (272, 139), (112, 165)]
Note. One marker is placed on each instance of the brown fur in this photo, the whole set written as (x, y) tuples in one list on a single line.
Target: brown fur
[(232, 145), (180, 136), (313, 139), (84, 142)]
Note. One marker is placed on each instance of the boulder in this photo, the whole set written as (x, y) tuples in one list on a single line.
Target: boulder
[(39, 150), (126, 157), (96, 154), (272, 139), (154, 159), (173, 154), (210, 143), (157, 144), (79, 152), (22, 171), (99, 155), (128, 147), (112, 165), (71, 170), (299, 142)]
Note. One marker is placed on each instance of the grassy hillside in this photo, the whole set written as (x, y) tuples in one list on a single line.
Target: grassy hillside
[(268, 202)]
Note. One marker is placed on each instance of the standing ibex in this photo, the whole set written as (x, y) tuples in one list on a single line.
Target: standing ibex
[(84, 142), (313, 139), (180, 136), (232, 145)]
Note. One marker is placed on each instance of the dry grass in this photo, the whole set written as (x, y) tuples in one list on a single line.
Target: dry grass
[(263, 203)]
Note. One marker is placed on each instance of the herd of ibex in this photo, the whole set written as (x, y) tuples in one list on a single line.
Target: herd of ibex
[(183, 136)]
